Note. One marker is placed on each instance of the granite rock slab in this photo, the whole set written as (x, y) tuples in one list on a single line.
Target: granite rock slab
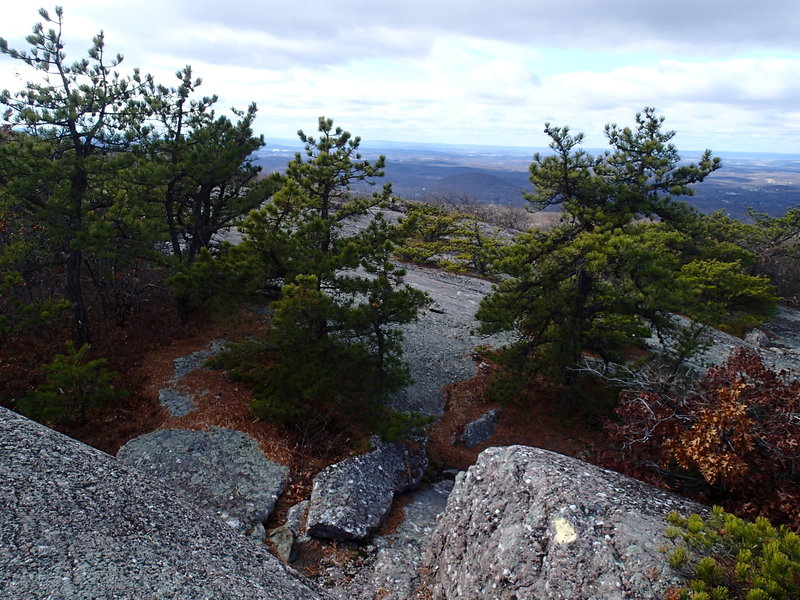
[(75, 523), (220, 470), (351, 499), (528, 523)]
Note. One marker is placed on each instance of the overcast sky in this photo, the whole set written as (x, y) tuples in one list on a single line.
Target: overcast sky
[(725, 73)]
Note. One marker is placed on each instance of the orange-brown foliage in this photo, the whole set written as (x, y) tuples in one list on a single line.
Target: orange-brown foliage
[(732, 441)]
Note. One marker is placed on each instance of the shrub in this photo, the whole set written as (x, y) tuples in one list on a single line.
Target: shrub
[(324, 385), (394, 426), (73, 384), (725, 557), (731, 439)]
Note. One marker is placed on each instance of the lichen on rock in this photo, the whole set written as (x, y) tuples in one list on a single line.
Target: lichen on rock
[(528, 523)]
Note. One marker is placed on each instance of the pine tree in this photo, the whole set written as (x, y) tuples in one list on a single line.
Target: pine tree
[(625, 257), (75, 122), (326, 249), (200, 171)]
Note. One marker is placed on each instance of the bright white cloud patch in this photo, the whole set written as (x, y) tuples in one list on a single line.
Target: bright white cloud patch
[(725, 74)]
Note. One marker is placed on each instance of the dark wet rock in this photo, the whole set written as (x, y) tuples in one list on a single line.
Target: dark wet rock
[(351, 499), (528, 523), (75, 523), (481, 429), (221, 470)]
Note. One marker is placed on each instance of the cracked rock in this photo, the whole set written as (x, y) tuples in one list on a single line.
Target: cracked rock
[(351, 499)]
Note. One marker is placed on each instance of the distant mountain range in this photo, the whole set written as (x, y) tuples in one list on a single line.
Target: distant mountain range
[(768, 183)]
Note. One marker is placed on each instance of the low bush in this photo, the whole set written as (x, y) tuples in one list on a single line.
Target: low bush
[(724, 557), (731, 439), (312, 390)]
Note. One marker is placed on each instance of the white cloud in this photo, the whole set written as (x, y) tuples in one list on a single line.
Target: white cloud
[(724, 73)]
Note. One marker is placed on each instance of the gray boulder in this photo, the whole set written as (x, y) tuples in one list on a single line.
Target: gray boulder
[(757, 338), (528, 523), (220, 470), (75, 523), (351, 499), (481, 429)]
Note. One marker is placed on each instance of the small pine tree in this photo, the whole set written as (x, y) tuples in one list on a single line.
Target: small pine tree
[(322, 241), (725, 557), (627, 254), (73, 385)]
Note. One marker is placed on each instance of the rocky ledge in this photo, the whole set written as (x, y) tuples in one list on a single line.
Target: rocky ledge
[(76, 523), (528, 523)]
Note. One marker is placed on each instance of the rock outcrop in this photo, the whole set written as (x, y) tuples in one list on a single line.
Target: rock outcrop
[(528, 523), (351, 499), (220, 470), (481, 429), (76, 523), (175, 399), (439, 346)]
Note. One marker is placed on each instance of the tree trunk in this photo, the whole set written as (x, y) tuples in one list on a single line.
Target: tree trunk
[(79, 181), (183, 307), (75, 297), (584, 286)]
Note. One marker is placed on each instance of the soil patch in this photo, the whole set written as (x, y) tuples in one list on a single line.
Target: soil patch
[(539, 419)]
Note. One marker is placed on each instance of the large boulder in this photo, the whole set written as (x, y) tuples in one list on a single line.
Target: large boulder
[(75, 523), (351, 499), (528, 523), (220, 470)]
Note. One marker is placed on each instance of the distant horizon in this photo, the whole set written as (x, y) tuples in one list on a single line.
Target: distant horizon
[(725, 76), (378, 144)]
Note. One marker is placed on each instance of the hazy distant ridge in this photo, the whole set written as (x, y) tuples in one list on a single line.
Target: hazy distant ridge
[(493, 174)]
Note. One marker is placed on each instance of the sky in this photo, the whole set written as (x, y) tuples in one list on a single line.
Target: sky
[(724, 73)]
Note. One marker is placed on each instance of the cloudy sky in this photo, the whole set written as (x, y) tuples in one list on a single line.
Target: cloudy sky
[(725, 73)]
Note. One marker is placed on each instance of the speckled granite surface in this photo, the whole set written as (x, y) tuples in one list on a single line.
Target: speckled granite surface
[(75, 523)]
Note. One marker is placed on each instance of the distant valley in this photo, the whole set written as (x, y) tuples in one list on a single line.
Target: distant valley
[(768, 183)]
